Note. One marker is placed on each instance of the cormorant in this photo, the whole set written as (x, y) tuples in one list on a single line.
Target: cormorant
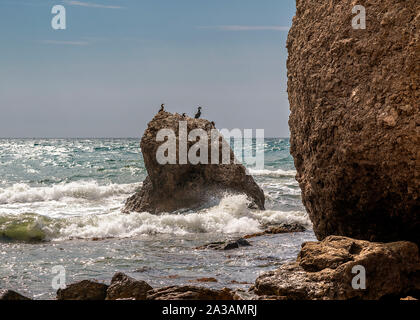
[(162, 107), (213, 124), (184, 115), (198, 114)]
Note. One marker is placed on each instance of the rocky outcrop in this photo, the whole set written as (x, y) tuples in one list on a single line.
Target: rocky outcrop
[(125, 287), (9, 295), (324, 271), (354, 99), (226, 245), (190, 293), (278, 229), (170, 187), (83, 290)]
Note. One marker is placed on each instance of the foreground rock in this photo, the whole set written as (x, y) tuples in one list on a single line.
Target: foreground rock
[(125, 287), (83, 290), (190, 293), (226, 245), (354, 99), (172, 187), (9, 295), (323, 271)]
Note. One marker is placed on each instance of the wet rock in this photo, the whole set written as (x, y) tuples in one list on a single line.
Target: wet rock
[(283, 228), (171, 187), (190, 293), (125, 287), (324, 271), (226, 245), (83, 290), (354, 99), (204, 280), (9, 295)]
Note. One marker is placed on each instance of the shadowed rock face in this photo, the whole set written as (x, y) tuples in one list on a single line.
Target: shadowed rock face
[(190, 293), (83, 290), (170, 187), (323, 271), (9, 295), (125, 287), (354, 99)]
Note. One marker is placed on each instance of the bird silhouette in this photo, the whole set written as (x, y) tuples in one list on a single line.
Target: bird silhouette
[(184, 115), (198, 114), (162, 107)]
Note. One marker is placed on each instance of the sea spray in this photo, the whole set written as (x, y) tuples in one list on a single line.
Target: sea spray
[(230, 216)]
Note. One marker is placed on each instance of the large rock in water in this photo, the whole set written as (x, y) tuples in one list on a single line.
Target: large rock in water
[(324, 271), (354, 99), (170, 187)]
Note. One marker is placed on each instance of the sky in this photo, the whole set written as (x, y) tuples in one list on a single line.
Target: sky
[(107, 73)]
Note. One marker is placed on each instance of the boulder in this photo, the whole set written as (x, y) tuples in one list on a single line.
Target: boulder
[(324, 271), (278, 229), (226, 245), (170, 187), (125, 287), (190, 293), (354, 99), (9, 295), (83, 290)]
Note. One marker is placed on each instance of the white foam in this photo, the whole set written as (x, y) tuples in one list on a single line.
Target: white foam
[(88, 190), (272, 173), (229, 217)]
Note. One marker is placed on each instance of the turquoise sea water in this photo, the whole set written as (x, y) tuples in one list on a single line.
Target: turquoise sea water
[(61, 200)]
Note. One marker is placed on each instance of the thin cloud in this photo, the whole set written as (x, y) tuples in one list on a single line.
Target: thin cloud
[(91, 5), (67, 43), (246, 28)]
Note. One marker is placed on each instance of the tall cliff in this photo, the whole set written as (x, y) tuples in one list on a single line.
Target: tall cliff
[(355, 115)]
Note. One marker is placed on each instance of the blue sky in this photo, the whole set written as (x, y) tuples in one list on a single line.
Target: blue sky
[(118, 60)]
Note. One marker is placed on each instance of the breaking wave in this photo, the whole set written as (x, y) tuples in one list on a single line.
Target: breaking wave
[(230, 216), (88, 190)]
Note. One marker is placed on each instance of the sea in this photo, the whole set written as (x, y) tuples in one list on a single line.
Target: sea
[(61, 201)]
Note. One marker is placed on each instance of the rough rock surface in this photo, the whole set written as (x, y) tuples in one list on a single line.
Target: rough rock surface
[(354, 99), (83, 290), (125, 287), (172, 187), (190, 293), (323, 271), (9, 295), (278, 229), (226, 245)]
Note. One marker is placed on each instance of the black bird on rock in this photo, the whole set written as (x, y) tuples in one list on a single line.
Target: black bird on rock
[(184, 115), (162, 107), (198, 114)]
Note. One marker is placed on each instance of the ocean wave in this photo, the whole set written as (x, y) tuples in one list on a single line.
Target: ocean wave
[(230, 216), (272, 173), (88, 190)]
